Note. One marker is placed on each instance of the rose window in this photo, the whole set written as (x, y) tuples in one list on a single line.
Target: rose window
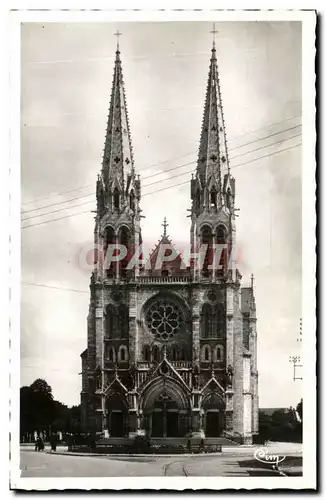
[(164, 319)]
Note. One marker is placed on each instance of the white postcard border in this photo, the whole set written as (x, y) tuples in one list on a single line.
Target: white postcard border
[(308, 237)]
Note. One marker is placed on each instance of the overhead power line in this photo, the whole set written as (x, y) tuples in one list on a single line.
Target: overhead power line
[(262, 138), (59, 203), (168, 161), (177, 167), (54, 287), (234, 166), (240, 165), (168, 187), (187, 172), (58, 210), (54, 220)]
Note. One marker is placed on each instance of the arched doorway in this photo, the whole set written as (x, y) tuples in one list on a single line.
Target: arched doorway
[(213, 407), (165, 417), (116, 416), (166, 408)]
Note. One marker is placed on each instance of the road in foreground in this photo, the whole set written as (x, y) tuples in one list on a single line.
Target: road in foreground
[(41, 464)]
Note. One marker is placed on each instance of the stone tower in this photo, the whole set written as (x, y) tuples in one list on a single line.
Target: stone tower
[(172, 347)]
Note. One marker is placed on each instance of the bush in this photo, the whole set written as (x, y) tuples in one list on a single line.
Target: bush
[(141, 444), (169, 449)]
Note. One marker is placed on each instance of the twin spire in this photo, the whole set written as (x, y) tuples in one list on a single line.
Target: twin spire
[(118, 163), (213, 159)]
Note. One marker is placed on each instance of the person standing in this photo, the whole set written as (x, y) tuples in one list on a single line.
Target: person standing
[(53, 442)]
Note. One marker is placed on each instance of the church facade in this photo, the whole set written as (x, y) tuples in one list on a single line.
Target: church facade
[(171, 348)]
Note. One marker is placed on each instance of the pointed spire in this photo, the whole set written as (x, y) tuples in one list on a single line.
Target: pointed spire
[(213, 155), (165, 225), (252, 296), (117, 162), (214, 31), (117, 34)]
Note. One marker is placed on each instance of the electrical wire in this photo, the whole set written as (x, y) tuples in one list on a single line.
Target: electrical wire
[(54, 287), (166, 161), (146, 185), (166, 188), (173, 168)]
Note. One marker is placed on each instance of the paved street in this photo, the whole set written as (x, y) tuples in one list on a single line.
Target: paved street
[(230, 463)]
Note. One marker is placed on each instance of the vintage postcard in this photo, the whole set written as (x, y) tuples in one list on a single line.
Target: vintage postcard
[(163, 228)]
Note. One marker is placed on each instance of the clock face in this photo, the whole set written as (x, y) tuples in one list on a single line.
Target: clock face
[(164, 319)]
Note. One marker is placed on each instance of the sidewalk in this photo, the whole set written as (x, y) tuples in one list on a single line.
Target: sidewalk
[(133, 455)]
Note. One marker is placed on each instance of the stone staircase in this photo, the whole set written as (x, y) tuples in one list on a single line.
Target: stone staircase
[(225, 442)]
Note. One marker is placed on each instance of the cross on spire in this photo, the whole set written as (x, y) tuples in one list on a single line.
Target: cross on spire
[(214, 31), (165, 225), (117, 34)]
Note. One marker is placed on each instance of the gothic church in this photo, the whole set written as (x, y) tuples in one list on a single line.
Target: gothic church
[(172, 350)]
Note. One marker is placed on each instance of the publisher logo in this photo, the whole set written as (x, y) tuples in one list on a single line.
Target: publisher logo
[(268, 458)]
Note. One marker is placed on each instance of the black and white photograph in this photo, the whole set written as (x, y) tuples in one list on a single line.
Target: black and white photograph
[(166, 283)]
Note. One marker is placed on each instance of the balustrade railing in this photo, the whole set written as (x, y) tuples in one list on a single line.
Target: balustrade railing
[(144, 365), (109, 278), (181, 364), (162, 279), (178, 365)]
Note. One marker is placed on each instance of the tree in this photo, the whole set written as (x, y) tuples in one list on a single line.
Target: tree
[(281, 425), (60, 417), (36, 408), (27, 417), (40, 386), (74, 424), (299, 409), (42, 400), (40, 412)]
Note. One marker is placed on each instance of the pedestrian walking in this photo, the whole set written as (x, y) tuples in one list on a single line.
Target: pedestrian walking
[(53, 442), (189, 444), (41, 444)]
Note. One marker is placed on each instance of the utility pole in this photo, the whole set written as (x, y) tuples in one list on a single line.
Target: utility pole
[(295, 360)]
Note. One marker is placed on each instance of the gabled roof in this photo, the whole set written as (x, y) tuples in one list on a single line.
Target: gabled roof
[(116, 382), (175, 266), (168, 370), (213, 383)]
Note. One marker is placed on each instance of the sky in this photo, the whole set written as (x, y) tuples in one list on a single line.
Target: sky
[(66, 77)]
